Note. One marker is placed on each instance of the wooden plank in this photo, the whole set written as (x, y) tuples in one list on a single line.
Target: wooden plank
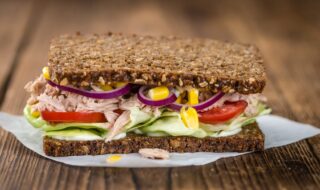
[(188, 178), (301, 55), (12, 31), (15, 17)]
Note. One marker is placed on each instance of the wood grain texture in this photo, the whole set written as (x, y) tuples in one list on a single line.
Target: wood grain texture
[(13, 36), (287, 32)]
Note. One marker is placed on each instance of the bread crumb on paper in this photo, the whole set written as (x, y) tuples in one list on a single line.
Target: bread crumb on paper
[(154, 153)]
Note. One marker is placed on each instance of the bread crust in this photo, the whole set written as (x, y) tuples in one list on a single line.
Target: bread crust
[(206, 64), (249, 139)]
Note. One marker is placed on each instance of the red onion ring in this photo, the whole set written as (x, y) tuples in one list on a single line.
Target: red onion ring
[(145, 100), (202, 105), (91, 94)]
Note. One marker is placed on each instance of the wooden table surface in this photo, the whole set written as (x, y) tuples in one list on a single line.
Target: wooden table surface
[(287, 32)]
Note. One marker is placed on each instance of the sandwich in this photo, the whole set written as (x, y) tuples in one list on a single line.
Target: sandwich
[(119, 93)]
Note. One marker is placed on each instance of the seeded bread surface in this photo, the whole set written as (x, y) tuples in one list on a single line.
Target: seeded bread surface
[(206, 64), (249, 139)]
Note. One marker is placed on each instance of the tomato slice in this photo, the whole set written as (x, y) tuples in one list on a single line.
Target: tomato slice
[(72, 117), (222, 114)]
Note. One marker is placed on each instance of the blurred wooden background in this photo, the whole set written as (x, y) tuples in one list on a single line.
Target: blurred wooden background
[(287, 32)]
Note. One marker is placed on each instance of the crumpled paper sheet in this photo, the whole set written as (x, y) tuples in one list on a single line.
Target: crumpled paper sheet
[(278, 131)]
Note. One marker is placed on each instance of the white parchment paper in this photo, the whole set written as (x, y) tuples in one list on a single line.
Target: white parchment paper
[(278, 131)]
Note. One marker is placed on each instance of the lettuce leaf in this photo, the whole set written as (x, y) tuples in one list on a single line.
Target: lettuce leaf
[(138, 118), (36, 122), (172, 126), (168, 123), (76, 134), (146, 119), (60, 126)]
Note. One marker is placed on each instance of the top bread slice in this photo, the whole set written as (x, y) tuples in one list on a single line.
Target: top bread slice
[(206, 64)]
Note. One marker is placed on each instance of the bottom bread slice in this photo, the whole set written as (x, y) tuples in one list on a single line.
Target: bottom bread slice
[(249, 139)]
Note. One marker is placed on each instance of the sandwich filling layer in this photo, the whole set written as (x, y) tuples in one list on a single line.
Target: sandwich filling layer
[(109, 111)]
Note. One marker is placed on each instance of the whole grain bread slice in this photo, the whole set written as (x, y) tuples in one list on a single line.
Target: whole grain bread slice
[(249, 139), (206, 64)]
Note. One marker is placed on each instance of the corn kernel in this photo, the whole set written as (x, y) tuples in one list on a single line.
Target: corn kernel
[(159, 93), (35, 114), (189, 117), (193, 96), (113, 158), (45, 73), (179, 99)]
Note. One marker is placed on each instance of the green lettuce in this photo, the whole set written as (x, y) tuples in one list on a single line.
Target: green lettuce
[(138, 118), (61, 126), (76, 134), (172, 126), (145, 119), (37, 122)]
